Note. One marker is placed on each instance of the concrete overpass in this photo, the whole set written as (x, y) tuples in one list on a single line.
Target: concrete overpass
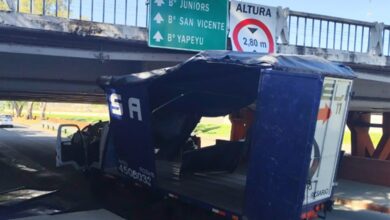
[(52, 58)]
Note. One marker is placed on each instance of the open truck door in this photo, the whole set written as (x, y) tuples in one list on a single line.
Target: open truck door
[(70, 146), (81, 148)]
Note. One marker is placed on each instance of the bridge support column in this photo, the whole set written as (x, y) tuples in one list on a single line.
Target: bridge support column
[(368, 163), (359, 125), (241, 122), (382, 151), (361, 143)]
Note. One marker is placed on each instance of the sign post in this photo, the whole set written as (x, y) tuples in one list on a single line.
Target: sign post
[(252, 27), (188, 24)]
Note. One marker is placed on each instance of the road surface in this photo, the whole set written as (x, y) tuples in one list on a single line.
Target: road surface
[(342, 213), (27, 159)]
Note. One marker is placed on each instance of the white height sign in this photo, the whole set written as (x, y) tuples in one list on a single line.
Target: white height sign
[(252, 27)]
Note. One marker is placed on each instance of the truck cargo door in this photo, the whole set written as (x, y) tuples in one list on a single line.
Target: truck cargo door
[(327, 140), (283, 133)]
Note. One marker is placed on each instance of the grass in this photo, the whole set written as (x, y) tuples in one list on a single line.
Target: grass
[(223, 130), (210, 130), (213, 130), (375, 137), (83, 118)]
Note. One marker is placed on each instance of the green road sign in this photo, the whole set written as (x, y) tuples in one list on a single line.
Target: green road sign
[(188, 24)]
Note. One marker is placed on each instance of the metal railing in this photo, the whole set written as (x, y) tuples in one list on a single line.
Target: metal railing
[(124, 12), (305, 29), (328, 32), (386, 40)]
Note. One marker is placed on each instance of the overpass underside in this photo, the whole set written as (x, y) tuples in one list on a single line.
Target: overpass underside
[(60, 79), (57, 66), (58, 60)]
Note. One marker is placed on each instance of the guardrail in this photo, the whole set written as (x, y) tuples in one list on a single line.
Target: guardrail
[(303, 29), (386, 40), (312, 30), (125, 12)]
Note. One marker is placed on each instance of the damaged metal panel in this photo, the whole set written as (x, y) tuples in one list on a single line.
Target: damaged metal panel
[(281, 150)]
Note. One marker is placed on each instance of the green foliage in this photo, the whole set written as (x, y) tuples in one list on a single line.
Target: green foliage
[(223, 130), (4, 6), (88, 119), (213, 130), (37, 7), (3, 106), (375, 137)]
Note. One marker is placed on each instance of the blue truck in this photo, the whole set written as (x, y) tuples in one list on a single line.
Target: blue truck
[(281, 163)]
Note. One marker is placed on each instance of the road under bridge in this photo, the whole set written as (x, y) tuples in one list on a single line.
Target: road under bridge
[(54, 58)]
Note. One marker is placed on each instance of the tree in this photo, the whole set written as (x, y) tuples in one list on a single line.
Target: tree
[(43, 110), (3, 106), (7, 5), (6, 107), (18, 107), (50, 7), (30, 108), (37, 7)]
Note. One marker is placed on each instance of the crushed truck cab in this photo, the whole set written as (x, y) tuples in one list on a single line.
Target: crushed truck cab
[(282, 165)]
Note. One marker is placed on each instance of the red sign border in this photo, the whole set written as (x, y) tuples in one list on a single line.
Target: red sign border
[(258, 23)]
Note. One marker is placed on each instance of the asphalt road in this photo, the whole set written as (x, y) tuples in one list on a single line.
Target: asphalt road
[(27, 159), (25, 155), (342, 213)]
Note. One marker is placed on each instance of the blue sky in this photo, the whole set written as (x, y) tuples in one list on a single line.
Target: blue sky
[(367, 10)]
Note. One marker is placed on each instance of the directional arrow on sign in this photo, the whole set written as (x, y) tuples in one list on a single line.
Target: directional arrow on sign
[(158, 18), (252, 30), (324, 114), (158, 37), (159, 2)]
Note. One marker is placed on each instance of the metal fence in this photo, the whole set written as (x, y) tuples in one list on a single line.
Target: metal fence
[(386, 41), (328, 32), (305, 29), (125, 12)]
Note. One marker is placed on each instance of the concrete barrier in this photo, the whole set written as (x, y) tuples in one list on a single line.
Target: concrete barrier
[(365, 170)]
